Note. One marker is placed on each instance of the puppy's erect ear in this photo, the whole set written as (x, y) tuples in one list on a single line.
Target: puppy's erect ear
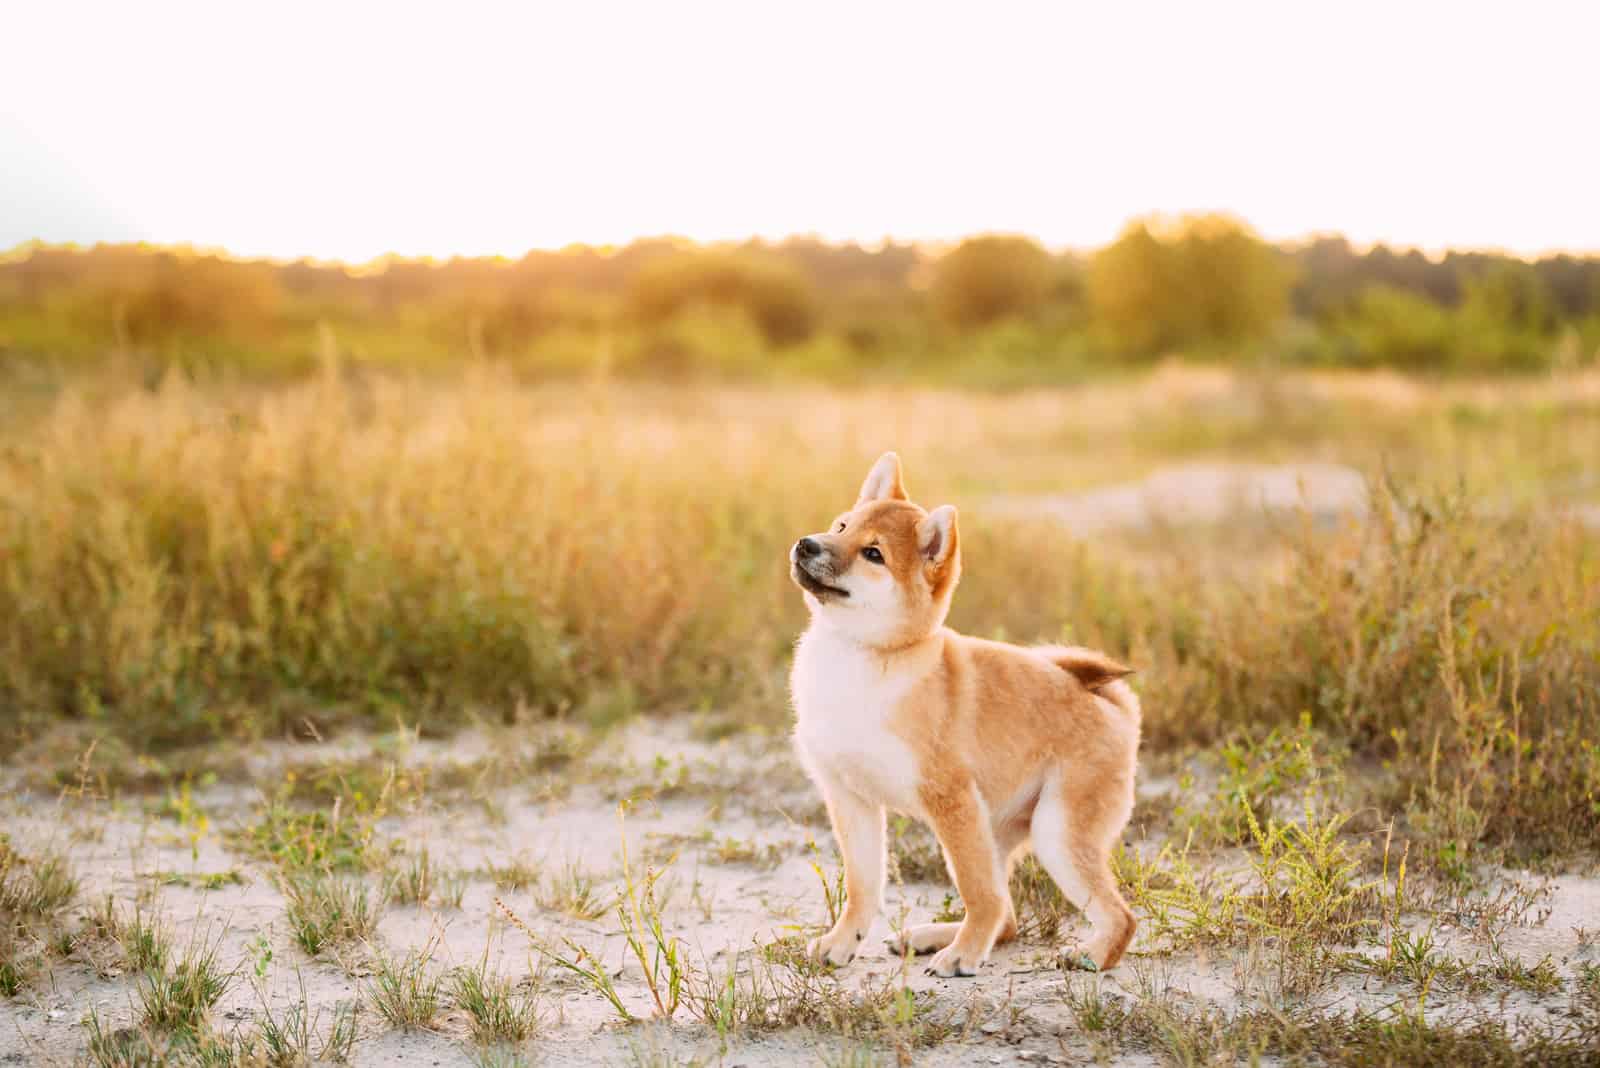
[(936, 535), (883, 481)]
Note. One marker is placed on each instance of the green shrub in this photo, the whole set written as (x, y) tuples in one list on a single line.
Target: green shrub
[(1204, 280), (1390, 327), (986, 279), (776, 296)]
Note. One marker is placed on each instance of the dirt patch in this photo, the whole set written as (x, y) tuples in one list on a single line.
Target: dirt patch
[(1202, 493), (734, 831)]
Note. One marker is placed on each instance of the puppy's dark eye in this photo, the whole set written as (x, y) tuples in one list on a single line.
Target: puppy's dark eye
[(840, 528), (871, 553)]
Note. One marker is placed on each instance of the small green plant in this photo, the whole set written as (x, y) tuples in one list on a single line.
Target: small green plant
[(1093, 1010), (146, 942), (1537, 979), (1587, 995), (403, 991), (16, 969), (499, 1057), (949, 910), (776, 987), (574, 892), (915, 853), (289, 1038), (661, 956), (578, 960), (1301, 885), (210, 880), (285, 1038), (177, 999), (514, 874), (35, 888), (1308, 880), (418, 880), (499, 1011), (740, 851), (301, 840), (325, 910), (723, 1003), (261, 954), (1041, 907), (12, 976), (127, 1047), (832, 889), (1257, 771), (181, 807), (1411, 956)]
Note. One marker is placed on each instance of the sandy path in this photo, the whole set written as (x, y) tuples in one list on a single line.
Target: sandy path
[(745, 790)]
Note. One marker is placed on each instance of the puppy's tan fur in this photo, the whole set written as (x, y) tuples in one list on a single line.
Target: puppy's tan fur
[(997, 747)]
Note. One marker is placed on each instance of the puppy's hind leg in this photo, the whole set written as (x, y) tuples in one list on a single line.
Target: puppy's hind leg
[(1073, 835)]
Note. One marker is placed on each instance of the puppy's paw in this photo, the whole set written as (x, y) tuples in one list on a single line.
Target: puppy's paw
[(837, 948), (922, 938), (953, 961)]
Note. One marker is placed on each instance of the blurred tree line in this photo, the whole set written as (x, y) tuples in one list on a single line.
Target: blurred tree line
[(993, 309)]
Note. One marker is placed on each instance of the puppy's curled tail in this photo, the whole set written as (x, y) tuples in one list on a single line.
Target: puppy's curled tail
[(1098, 673)]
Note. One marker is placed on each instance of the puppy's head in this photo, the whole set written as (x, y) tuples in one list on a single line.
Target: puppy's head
[(884, 571)]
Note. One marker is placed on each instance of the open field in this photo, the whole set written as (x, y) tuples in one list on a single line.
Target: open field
[(295, 682)]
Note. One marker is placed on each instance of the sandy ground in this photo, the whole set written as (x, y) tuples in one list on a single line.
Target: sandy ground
[(1204, 493), (746, 788), (1208, 494)]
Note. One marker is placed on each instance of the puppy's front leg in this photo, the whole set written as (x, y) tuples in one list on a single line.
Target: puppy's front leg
[(858, 828)]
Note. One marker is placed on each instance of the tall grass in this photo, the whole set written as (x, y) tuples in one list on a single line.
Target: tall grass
[(183, 563)]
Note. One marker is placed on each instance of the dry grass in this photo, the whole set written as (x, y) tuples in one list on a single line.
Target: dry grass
[(181, 564)]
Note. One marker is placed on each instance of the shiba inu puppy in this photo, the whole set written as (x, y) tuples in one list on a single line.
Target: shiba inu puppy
[(996, 747)]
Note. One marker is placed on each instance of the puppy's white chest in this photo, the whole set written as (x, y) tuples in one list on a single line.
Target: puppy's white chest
[(844, 700)]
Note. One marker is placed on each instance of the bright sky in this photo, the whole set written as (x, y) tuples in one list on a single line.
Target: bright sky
[(345, 130)]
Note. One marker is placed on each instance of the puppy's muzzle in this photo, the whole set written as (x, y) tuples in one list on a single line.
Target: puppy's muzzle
[(811, 568)]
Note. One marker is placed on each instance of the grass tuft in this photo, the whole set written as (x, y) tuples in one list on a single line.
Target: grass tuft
[(403, 991), (574, 892), (34, 888), (417, 879), (500, 1012), (178, 999), (325, 910)]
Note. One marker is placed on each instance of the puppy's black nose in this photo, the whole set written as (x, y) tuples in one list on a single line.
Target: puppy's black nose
[(806, 547)]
